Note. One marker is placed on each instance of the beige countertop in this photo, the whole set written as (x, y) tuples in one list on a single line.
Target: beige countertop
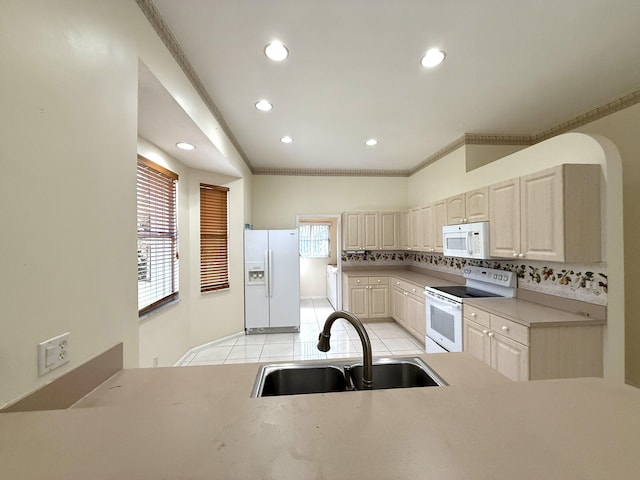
[(531, 314), (200, 423)]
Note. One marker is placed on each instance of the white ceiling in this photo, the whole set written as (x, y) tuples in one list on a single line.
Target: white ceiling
[(512, 67)]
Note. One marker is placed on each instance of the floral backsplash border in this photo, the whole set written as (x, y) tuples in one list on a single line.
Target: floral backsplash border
[(587, 283)]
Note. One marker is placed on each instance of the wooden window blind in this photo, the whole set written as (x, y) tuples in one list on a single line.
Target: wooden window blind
[(157, 236), (214, 242)]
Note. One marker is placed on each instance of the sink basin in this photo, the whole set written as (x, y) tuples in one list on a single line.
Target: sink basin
[(396, 374), (293, 379), (339, 376)]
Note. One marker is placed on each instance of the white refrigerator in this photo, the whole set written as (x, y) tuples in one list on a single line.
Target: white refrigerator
[(271, 280)]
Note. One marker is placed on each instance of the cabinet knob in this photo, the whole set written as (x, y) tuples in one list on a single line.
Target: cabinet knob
[(521, 255), (414, 290), (515, 255), (397, 283), (405, 293), (474, 314), (490, 334), (485, 331), (378, 280), (505, 328), (358, 281)]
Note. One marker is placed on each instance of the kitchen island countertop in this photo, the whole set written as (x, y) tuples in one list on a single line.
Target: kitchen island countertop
[(199, 422)]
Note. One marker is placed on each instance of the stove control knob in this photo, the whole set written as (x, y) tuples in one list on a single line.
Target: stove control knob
[(495, 275)]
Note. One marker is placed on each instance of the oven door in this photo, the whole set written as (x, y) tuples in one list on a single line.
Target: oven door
[(444, 321)]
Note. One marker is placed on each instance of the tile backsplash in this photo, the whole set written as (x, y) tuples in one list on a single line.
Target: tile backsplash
[(587, 283)]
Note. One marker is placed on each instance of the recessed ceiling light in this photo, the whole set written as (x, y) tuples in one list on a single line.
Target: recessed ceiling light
[(185, 146), (432, 58), (371, 142), (286, 139), (276, 51), (264, 105)]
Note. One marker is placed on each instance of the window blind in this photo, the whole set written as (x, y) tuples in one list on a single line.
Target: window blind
[(214, 244), (314, 240), (157, 235)]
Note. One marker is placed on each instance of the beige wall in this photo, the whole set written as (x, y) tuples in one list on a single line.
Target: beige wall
[(623, 129), (68, 143), (278, 199), (167, 334)]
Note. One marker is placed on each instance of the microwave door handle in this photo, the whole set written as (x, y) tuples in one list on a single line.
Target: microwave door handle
[(469, 240)]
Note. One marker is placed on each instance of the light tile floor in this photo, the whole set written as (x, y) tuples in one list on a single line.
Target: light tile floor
[(387, 338)]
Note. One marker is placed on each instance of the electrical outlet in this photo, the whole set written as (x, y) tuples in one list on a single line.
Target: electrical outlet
[(53, 353)]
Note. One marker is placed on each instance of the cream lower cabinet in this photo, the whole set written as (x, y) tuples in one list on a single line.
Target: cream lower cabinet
[(367, 297), (523, 353), (407, 307), (505, 354)]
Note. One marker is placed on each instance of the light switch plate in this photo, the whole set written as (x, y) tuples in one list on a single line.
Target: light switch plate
[(53, 353)]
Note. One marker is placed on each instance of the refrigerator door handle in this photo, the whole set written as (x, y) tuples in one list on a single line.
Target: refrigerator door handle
[(270, 275), (267, 273)]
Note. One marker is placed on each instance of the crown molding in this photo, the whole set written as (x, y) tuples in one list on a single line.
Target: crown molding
[(597, 113), (162, 30), (329, 172)]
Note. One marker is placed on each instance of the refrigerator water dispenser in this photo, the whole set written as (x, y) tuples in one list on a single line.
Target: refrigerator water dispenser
[(255, 273)]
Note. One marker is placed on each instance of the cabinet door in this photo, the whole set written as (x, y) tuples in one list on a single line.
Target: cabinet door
[(439, 221), (358, 301), (399, 306), (456, 210), (416, 315), (416, 229), (352, 231), (477, 205), (389, 230), (542, 215), (370, 230), (405, 227), (427, 229), (504, 218), (378, 301), (476, 340), (510, 358)]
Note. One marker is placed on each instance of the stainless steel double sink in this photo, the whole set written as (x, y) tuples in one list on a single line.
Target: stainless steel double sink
[(340, 376)]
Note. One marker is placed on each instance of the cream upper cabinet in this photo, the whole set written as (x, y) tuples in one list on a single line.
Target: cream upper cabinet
[(428, 230), (468, 207), (439, 221), (504, 219), (477, 205), (455, 210), (551, 215), (389, 235), (371, 230), (415, 221), (405, 230), (360, 231)]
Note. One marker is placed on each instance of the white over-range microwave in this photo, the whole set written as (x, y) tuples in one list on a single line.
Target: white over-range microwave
[(467, 240)]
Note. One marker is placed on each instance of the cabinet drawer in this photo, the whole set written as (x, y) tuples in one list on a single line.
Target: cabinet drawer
[(355, 281), (378, 280), (416, 290), (401, 284), (477, 315), (510, 329)]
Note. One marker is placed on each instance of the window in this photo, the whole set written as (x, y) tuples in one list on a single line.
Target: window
[(314, 240), (214, 242), (157, 236)]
